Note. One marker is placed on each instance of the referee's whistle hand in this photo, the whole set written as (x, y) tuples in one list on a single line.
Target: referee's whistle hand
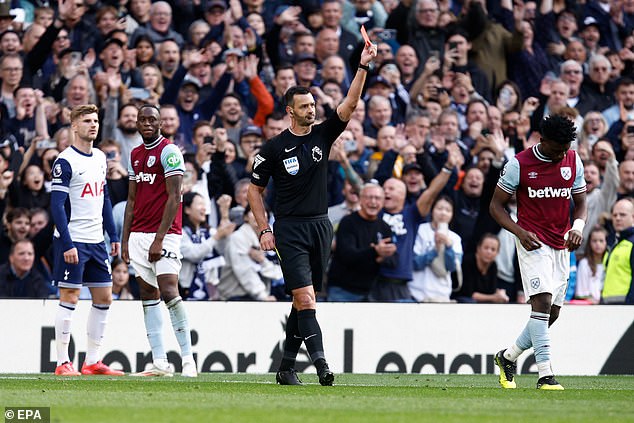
[(267, 242)]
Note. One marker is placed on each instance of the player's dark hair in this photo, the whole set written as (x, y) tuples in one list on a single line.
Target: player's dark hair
[(151, 106), (289, 97), (558, 129), (81, 110)]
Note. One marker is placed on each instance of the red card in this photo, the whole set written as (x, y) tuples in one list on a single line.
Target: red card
[(365, 37)]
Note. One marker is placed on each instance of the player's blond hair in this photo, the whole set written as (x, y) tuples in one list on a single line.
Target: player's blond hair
[(81, 110)]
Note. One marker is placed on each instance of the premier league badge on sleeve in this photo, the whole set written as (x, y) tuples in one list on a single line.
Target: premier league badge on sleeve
[(57, 170), (317, 154), (291, 165), (566, 172)]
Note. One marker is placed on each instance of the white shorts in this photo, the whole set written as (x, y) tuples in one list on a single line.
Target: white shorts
[(170, 263), (544, 270)]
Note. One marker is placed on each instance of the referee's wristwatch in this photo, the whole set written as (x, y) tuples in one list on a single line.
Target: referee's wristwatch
[(265, 231)]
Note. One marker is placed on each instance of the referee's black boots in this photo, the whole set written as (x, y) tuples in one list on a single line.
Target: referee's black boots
[(288, 377), (326, 377)]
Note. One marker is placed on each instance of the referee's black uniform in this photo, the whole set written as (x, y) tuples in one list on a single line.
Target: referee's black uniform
[(298, 165)]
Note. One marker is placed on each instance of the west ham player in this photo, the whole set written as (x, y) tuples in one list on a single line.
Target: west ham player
[(544, 178), (297, 160), (80, 206), (152, 238)]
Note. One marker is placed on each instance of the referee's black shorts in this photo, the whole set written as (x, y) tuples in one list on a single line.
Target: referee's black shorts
[(304, 245)]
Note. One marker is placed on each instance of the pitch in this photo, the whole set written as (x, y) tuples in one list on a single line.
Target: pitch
[(221, 397)]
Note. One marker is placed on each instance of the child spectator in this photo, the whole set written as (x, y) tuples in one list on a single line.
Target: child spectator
[(590, 272), (121, 289)]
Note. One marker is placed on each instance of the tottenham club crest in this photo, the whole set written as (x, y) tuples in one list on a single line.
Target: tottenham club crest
[(150, 161), (292, 165), (57, 170), (317, 154), (566, 172)]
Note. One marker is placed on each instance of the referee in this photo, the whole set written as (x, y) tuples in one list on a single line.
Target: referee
[(297, 160)]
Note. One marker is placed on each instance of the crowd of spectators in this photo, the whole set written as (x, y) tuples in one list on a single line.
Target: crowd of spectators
[(457, 88)]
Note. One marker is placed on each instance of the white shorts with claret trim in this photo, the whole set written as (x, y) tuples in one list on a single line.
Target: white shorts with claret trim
[(545, 270), (170, 263)]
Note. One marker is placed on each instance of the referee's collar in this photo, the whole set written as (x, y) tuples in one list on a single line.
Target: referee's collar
[(301, 135)]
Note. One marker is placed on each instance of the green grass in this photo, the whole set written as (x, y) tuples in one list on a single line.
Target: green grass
[(390, 398)]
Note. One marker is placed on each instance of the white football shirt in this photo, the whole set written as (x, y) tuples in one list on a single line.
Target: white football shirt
[(83, 177)]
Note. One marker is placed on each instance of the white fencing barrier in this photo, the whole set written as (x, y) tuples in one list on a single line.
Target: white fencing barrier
[(358, 337)]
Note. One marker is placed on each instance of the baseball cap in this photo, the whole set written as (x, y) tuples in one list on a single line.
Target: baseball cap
[(190, 83), (112, 41), (589, 21), (216, 3), (232, 51), (251, 130), (378, 80), (412, 166), (303, 57), (67, 51)]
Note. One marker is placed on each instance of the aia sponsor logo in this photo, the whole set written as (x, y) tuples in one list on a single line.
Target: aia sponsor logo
[(93, 189)]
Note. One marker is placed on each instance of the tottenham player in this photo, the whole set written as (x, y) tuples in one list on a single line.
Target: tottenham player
[(152, 237), (544, 179), (297, 160), (80, 207)]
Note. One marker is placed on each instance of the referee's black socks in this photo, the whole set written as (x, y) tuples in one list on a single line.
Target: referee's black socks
[(311, 332), (293, 341)]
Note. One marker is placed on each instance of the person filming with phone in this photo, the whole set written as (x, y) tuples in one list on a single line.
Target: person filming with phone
[(116, 174), (456, 60)]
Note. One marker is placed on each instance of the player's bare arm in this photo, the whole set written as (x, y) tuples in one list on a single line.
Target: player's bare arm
[(346, 108), (254, 195), (575, 235), (173, 186), (127, 221), (497, 209)]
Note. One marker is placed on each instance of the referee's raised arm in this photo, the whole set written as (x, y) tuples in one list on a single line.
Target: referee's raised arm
[(346, 108)]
